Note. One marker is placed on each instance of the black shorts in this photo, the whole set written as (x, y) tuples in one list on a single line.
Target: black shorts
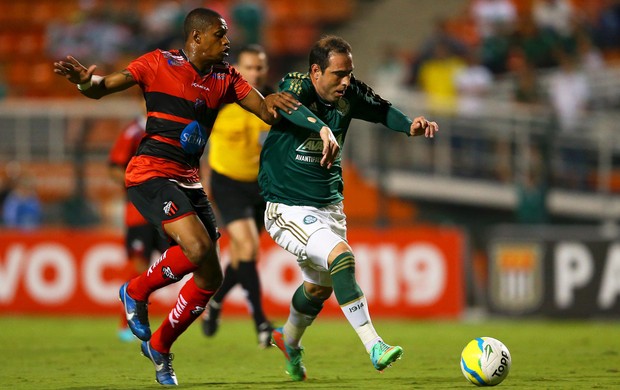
[(160, 200), (237, 199), (143, 240)]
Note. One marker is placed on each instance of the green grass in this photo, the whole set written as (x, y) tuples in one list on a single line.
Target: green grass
[(79, 353)]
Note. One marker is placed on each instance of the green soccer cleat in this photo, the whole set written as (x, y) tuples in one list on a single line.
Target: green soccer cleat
[(294, 366), (383, 355)]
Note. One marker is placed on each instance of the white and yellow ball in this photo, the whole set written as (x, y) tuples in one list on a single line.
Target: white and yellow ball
[(485, 361)]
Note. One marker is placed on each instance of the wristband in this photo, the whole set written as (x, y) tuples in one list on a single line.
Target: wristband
[(86, 85)]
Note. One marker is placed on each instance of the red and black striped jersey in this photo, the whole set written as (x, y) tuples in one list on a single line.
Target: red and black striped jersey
[(182, 104)]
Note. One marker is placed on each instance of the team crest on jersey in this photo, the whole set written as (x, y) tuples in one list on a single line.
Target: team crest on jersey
[(199, 102), (343, 106), (309, 219), (172, 59), (170, 208)]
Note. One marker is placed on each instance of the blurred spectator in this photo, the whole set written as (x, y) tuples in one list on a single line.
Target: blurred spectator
[(493, 16), (473, 83), (539, 46), (607, 29), (494, 51), (391, 73), (440, 36), (22, 208), (161, 26), (527, 88), (569, 93), (437, 77), (554, 16), (248, 18), (10, 176), (531, 191), (92, 32)]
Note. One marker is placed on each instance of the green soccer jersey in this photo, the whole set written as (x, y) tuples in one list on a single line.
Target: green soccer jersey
[(290, 170)]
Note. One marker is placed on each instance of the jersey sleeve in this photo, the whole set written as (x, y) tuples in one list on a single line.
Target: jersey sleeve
[(370, 106), (239, 87), (144, 68)]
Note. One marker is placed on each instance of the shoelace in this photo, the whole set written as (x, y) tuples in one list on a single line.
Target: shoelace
[(383, 346), (142, 312), (167, 359)]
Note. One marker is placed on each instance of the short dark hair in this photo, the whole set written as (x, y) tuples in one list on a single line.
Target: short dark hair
[(319, 54), (253, 48), (199, 19)]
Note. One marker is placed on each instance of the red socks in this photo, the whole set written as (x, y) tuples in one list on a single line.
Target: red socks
[(190, 304), (168, 269)]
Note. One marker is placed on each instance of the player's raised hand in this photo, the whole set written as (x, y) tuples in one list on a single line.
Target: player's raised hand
[(421, 126), (73, 71), (330, 147), (282, 100)]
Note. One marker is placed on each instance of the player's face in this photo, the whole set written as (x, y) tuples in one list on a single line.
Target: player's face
[(253, 68), (214, 44), (335, 79)]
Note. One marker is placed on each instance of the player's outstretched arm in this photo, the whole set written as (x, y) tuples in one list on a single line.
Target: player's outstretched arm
[(266, 108), (91, 85), (397, 121)]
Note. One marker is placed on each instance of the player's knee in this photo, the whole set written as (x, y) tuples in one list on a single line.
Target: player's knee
[(198, 251), (245, 249), (318, 292)]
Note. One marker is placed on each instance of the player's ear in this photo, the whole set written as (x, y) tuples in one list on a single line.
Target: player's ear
[(315, 71), (196, 36)]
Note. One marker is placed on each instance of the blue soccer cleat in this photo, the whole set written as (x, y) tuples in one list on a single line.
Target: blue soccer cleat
[(383, 355), (164, 374), (136, 313)]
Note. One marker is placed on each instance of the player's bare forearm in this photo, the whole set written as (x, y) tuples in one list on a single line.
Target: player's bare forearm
[(90, 85)]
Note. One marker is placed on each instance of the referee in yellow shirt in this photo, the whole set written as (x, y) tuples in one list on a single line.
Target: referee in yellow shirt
[(234, 153)]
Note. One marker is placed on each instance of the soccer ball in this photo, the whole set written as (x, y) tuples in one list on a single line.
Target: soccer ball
[(485, 361)]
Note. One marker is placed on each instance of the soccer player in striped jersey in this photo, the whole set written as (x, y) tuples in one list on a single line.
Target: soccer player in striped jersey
[(183, 90), (304, 197)]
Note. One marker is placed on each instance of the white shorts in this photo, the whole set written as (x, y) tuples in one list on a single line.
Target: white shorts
[(309, 233)]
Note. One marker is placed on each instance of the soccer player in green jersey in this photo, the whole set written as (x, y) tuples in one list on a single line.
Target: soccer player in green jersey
[(304, 197)]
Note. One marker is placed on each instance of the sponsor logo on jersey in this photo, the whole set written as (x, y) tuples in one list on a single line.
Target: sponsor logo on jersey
[(312, 145), (170, 208), (309, 219), (343, 106), (193, 138), (196, 85)]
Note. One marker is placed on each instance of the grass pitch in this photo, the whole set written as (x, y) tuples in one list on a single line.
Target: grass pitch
[(80, 353)]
